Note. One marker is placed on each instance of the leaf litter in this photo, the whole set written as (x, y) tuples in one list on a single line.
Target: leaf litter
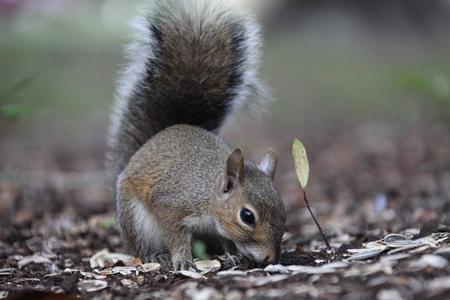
[(374, 260), (361, 205)]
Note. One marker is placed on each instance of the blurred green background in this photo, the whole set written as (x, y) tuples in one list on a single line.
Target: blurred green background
[(332, 67)]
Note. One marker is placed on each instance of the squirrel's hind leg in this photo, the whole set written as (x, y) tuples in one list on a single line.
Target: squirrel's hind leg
[(140, 231)]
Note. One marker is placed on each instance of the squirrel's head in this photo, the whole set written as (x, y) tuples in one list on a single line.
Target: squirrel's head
[(251, 213)]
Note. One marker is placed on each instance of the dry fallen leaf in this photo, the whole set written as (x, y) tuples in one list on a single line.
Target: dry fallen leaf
[(301, 162), (104, 258), (206, 266)]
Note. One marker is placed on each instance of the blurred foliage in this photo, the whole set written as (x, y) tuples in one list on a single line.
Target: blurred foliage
[(431, 86), (107, 223), (320, 75), (199, 250), (15, 110)]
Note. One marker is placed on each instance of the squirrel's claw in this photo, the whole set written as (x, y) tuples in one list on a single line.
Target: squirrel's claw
[(163, 259), (182, 265), (231, 261)]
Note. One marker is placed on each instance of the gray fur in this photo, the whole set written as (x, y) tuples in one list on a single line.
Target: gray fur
[(168, 79)]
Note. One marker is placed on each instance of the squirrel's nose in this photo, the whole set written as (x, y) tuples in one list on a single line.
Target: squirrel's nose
[(272, 258)]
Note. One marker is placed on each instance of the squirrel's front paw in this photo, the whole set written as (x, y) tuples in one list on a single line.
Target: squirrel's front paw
[(184, 265), (163, 259), (182, 260), (231, 261)]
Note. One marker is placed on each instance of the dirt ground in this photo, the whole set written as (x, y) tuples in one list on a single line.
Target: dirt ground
[(366, 190), (367, 94)]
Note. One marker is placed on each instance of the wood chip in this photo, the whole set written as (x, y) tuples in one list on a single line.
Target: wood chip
[(206, 266), (104, 258), (231, 273), (129, 283), (190, 274), (36, 259), (92, 285), (150, 267), (370, 253)]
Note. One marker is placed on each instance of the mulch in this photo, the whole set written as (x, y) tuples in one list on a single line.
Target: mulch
[(362, 190)]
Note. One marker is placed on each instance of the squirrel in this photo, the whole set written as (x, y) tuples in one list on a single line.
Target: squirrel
[(191, 70)]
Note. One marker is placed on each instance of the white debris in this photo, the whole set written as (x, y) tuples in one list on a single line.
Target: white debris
[(260, 281), (124, 270), (390, 294), (104, 258), (206, 294), (276, 269), (336, 265), (150, 267), (92, 275), (398, 240), (6, 271), (190, 274), (206, 266), (369, 253), (35, 258), (310, 270), (231, 273), (116, 270), (129, 283), (440, 283), (92, 285), (435, 261), (394, 257), (445, 251)]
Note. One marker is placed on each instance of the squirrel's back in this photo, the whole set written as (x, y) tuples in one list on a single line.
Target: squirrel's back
[(190, 62)]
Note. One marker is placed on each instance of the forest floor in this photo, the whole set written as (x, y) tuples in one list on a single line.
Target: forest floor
[(385, 207)]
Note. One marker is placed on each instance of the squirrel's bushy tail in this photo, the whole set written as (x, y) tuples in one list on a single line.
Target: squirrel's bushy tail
[(190, 62)]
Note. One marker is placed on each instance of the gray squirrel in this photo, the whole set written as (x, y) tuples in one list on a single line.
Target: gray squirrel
[(191, 69)]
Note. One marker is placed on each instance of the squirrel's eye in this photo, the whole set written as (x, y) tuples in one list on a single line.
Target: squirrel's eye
[(248, 217)]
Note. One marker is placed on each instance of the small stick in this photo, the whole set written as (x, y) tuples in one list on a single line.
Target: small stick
[(314, 218), (302, 170)]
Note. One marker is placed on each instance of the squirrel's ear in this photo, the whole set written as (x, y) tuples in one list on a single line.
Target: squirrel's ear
[(234, 170), (269, 163)]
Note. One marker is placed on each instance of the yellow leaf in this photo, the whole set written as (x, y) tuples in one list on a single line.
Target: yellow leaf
[(301, 162)]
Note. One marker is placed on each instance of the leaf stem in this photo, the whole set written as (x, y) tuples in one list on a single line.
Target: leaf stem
[(314, 218)]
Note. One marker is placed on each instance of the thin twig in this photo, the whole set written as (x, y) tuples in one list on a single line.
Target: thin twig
[(317, 223)]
